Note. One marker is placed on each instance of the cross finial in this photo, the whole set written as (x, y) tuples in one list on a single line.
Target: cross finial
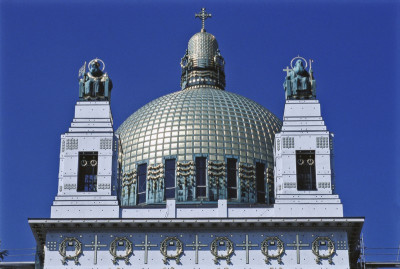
[(203, 15)]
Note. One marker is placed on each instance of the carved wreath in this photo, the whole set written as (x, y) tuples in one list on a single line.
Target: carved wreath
[(164, 250), (331, 249), (279, 247), (229, 249), (63, 250), (128, 249)]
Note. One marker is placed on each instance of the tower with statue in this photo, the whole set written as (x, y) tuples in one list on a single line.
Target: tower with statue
[(199, 178)]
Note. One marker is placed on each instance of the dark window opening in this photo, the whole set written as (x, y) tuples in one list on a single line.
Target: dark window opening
[(201, 187), (260, 181), (231, 178), (142, 181), (305, 168), (169, 179), (87, 171)]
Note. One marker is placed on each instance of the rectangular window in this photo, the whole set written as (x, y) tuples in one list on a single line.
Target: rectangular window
[(169, 179), (231, 178), (260, 181), (201, 187), (142, 182), (87, 171), (305, 168)]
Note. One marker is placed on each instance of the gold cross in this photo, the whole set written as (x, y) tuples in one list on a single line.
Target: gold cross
[(287, 69), (203, 15)]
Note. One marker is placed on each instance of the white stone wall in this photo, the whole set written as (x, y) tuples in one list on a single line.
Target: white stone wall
[(304, 129), (91, 130)]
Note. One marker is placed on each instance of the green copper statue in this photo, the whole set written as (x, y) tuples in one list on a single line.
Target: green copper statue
[(94, 85), (299, 83)]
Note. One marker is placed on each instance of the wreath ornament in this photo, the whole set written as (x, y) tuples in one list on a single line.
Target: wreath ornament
[(120, 242), (229, 248), (71, 241), (171, 241), (269, 241), (315, 248)]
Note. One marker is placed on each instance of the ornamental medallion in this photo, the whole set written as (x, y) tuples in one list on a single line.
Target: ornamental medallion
[(170, 242), (323, 241), (70, 242), (272, 241), (217, 244), (120, 242)]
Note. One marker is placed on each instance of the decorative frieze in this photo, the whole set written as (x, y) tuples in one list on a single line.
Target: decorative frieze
[(221, 247)]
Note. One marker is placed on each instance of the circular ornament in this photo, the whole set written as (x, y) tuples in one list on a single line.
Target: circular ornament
[(186, 62), (310, 161), (279, 247), (98, 60), (63, 250), (300, 161), (219, 60), (164, 251), (298, 57), (128, 249), (83, 162), (315, 249), (93, 162), (229, 249)]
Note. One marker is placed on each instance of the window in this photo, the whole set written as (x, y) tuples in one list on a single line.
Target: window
[(169, 182), (231, 178), (260, 181), (87, 171), (142, 181), (305, 168), (201, 187)]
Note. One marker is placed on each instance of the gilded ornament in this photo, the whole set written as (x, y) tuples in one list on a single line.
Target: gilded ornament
[(322, 240), (70, 241), (128, 249), (171, 241), (279, 248), (229, 249)]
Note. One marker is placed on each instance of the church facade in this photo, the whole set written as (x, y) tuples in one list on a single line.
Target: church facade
[(199, 178)]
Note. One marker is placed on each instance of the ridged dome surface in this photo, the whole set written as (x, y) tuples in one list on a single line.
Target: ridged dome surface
[(201, 121)]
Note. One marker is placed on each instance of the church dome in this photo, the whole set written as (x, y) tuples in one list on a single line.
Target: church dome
[(203, 121), (201, 143)]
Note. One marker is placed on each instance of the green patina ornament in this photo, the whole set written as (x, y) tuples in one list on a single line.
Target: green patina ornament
[(94, 85), (299, 83)]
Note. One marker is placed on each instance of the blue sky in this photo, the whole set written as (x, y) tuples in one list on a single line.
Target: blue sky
[(354, 45)]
